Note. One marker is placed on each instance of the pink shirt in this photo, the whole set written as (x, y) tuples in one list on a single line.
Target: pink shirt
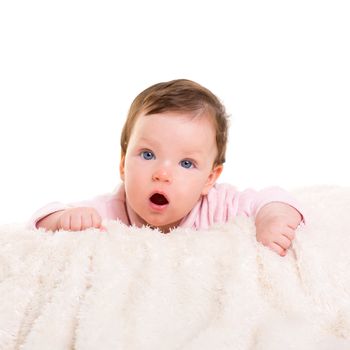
[(222, 203)]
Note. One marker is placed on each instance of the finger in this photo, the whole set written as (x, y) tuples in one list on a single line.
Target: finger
[(75, 222), (96, 220), (282, 241), (284, 252), (289, 233), (103, 228), (278, 249), (86, 221), (64, 222)]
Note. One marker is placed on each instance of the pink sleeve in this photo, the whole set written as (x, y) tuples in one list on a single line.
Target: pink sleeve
[(224, 202), (45, 211), (251, 201)]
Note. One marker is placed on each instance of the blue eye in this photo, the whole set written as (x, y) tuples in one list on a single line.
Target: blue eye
[(148, 155), (187, 164)]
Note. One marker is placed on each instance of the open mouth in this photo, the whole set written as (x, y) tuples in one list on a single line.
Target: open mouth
[(159, 199)]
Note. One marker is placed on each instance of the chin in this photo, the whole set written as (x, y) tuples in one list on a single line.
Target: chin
[(164, 226)]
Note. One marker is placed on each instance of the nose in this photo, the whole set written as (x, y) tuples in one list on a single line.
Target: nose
[(162, 175)]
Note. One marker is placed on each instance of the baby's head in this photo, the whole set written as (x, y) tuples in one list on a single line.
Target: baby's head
[(179, 95), (173, 149)]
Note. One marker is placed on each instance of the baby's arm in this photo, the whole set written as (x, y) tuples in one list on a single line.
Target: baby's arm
[(277, 214), (72, 219), (74, 216), (81, 215)]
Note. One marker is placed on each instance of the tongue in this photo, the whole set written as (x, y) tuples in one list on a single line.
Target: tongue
[(159, 199)]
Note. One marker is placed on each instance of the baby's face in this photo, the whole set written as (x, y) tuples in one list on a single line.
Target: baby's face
[(168, 166)]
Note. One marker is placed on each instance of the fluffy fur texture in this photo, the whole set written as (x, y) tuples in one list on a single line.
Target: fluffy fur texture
[(219, 289)]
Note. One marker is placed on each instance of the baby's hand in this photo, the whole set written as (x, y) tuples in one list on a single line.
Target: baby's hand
[(78, 219), (72, 219), (275, 226)]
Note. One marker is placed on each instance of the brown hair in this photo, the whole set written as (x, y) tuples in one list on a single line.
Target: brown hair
[(178, 95)]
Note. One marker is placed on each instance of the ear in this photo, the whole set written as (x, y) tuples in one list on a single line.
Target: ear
[(213, 176), (122, 167)]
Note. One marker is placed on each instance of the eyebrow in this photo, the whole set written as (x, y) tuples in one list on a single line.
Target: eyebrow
[(190, 154), (193, 153), (146, 140)]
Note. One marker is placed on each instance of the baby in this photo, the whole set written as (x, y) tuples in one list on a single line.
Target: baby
[(173, 148)]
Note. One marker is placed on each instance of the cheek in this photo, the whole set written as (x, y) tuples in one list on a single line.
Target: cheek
[(192, 186), (134, 170)]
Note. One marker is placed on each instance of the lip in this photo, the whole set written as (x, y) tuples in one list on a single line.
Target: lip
[(158, 207)]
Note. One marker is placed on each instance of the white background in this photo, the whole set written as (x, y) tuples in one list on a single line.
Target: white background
[(70, 69)]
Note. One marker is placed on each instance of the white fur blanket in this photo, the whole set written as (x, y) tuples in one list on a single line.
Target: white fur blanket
[(219, 289)]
